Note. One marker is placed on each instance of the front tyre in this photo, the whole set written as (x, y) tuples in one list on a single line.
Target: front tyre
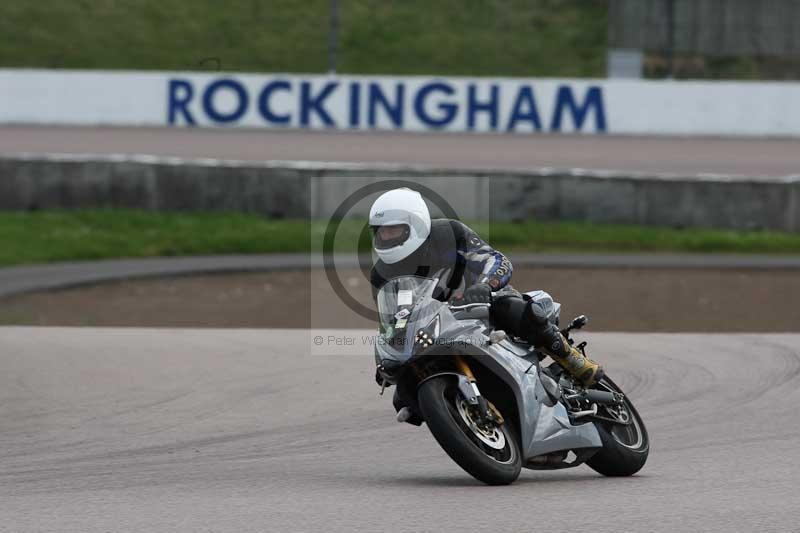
[(625, 447), (489, 456)]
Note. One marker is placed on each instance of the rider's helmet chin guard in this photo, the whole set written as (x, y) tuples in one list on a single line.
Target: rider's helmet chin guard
[(406, 209)]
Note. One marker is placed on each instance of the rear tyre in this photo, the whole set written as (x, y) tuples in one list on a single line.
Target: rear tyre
[(625, 448), (491, 457)]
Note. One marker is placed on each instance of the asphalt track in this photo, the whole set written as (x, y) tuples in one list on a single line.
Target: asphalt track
[(684, 156), (219, 430)]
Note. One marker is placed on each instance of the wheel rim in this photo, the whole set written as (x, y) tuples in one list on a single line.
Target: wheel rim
[(494, 438), (484, 441), (629, 435)]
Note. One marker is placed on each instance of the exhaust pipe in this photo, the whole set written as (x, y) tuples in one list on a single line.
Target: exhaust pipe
[(603, 397), (550, 459), (598, 396)]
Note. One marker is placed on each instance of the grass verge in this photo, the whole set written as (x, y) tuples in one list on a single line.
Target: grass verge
[(51, 236), (447, 37)]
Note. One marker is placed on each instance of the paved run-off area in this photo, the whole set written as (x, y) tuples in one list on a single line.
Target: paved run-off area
[(245, 430)]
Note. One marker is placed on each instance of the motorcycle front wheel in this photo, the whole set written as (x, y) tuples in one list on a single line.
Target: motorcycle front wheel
[(491, 456)]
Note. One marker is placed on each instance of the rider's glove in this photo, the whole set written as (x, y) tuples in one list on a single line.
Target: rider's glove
[(480, 293)]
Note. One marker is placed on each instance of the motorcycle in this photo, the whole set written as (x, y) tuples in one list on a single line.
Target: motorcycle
[(488, 399)]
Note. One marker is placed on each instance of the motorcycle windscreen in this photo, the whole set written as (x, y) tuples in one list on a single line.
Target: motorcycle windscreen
[(404, 307)]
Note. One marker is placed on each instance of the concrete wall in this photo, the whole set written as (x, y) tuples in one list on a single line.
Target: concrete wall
[(400, 103), (295, 190)]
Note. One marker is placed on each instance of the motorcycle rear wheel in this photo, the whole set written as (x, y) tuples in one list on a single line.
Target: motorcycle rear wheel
[(625, 448), (491, 457)]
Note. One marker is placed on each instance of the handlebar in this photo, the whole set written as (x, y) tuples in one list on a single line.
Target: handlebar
[(469, 306), (577, 323)]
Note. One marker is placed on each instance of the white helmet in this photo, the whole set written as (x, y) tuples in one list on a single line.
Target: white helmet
[(406, 210)]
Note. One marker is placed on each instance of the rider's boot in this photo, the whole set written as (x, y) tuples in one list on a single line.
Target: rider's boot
[(537, 329), (530, 320), (579, 366)]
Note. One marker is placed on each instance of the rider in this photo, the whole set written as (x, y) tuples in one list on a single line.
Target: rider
[(408, 242)]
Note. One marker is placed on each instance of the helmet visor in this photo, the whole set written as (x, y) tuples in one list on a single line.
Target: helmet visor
[(385, 237)]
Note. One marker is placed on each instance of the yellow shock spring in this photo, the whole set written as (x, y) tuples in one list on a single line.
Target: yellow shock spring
[(463, 367)]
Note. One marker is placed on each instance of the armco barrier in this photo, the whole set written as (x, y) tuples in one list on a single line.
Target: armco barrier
[(297, 190)]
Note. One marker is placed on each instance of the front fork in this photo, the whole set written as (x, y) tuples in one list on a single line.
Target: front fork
[(468, 386)]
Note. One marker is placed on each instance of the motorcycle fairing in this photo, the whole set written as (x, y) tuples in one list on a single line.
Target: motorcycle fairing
[(544, 429)]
